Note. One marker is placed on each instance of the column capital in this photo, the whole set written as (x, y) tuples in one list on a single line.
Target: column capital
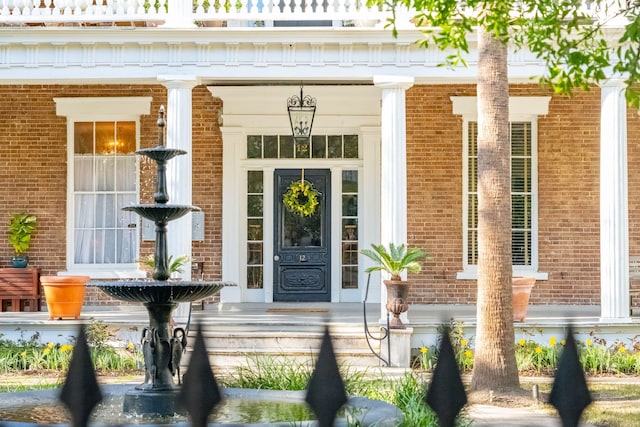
[(615, 81), (178, 81), (393, 82)]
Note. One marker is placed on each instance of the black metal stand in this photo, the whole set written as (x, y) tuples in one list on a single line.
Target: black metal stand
[(368, 334)]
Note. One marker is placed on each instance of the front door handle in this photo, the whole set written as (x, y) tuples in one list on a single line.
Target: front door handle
[(276, 258)]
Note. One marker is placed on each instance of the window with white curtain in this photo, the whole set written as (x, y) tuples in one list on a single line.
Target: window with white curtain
[(104, 181), (103, 135)]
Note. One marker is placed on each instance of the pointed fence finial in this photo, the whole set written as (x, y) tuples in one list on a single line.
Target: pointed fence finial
[(570, 394), (200, 392), (326, 393), (81, 392), (446, 394)]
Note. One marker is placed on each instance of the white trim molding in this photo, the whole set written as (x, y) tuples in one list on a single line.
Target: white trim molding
[(96, 109), (523, 108)]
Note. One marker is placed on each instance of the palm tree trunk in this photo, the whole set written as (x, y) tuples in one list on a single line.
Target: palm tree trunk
[(494, 362)]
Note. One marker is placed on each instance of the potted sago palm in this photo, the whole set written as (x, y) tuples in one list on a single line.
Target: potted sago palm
[(395, 260)]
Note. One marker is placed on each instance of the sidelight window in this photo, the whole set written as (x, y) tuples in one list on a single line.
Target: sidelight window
[(255, 230), (350, 229)]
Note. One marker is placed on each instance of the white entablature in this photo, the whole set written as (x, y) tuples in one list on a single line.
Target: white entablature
[(109, 55)]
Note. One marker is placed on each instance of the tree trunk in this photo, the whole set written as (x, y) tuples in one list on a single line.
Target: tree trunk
[(495, 362)]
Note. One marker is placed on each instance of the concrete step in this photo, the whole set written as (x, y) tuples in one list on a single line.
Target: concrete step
[(237, 345)]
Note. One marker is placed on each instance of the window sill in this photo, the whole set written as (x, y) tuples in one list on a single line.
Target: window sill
[(472, 274), (106, 274)]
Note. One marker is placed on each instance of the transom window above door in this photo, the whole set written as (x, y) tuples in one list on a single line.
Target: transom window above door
[(321, 147)]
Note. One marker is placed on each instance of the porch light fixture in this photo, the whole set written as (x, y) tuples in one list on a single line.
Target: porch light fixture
[(301, 109)]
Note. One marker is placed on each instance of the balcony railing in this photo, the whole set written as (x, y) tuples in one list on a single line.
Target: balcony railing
[(211, 13), (188, 13)]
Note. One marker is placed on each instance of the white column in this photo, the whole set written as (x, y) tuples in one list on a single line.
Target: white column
[(369, 199), (232, 249), (614, 223), (393, 164), (179, 169)]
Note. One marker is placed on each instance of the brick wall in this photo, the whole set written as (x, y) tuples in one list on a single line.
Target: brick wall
[(33, 154), (568, 184)]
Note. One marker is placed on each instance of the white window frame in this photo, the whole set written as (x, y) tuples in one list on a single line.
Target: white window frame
[(95, 109), (521, 109)]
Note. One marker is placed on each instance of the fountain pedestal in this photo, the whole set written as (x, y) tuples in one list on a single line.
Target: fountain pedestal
[(162, 347), (157, 395)]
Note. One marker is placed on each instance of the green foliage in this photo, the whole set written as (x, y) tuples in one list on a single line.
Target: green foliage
[(575, 45), (532, 357), (270, 373), (175, 264), (97, 333), (395, 259), (21, 227), (32, 355), (407, 393), (618, 358)]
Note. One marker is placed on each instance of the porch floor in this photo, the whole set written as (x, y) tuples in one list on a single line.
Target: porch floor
[(313, 313), (130, 319)]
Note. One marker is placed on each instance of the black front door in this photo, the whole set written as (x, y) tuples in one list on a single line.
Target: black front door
[(301, 252)]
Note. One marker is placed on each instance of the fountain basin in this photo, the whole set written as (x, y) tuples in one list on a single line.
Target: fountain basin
[(158, 291), (368, 412), (161, 212), (162, 345), (161, 153)]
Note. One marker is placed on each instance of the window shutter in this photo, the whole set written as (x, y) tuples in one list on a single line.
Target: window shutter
[(521, 193)]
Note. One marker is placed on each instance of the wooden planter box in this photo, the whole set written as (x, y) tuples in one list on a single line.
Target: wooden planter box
[(20, 289)]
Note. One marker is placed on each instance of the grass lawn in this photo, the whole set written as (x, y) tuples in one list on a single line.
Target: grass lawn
[(616, 401)]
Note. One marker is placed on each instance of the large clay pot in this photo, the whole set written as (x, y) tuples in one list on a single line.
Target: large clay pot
[(397, 293), (64, 295), (521, 286)]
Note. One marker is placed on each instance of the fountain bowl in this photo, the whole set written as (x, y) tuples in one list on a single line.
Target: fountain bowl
[(159, 291), (161, 212)]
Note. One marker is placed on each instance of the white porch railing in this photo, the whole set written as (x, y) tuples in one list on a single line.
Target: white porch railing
[(190, 13), (186, 12)]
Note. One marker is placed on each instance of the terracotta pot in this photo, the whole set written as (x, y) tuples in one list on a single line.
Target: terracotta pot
[(521, 286), (397, 293), (64, 295)]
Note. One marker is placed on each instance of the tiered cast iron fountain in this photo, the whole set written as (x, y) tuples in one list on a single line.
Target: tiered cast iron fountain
[(162, 347)]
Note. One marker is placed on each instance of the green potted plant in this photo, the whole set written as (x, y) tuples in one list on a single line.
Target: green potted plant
[(21, 227), (175, 265), (395, 260)]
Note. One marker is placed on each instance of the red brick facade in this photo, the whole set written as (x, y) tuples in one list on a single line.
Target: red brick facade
[(568, 194), (34, 156)]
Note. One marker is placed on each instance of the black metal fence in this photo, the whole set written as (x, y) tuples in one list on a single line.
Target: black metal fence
[(326, 395)]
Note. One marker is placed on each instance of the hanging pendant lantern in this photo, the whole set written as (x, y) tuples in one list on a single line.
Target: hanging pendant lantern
[(301, 109)]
